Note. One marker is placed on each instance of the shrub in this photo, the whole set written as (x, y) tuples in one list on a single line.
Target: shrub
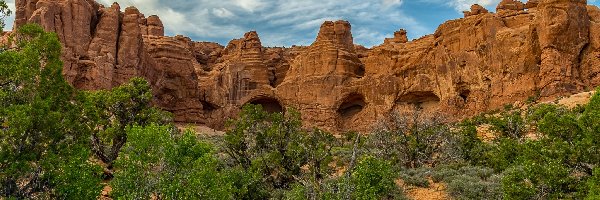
[(416, 176), (469, 182), (109, 113), (412, 140), (509, 124), (374, 179), (275, 146), (159, 162), (531, 179), (4, 12), (593, 186), (469, 146)]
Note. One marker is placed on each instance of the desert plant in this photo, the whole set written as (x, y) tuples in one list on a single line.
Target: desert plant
[(412, 140)]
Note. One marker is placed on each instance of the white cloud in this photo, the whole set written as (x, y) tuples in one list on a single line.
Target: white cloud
[(222, 13), (250, 5)]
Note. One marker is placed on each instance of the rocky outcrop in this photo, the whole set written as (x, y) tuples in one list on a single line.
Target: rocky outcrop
[(152, 26), (563, 32), (476, 9), (510, 8), (399, 37), (531, 4), (545, 48), (590, 58), (319, 78)]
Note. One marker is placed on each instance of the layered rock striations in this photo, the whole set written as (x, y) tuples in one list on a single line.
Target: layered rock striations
[(545, 48)]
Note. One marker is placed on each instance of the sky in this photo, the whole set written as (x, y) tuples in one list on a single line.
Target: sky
[(296, 22)]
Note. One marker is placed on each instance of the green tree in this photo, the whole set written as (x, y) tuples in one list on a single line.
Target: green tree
[(108, 114), (270, 144), (469, 145), (275, 147), (43, 150)]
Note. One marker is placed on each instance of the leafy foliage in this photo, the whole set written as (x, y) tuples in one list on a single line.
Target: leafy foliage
[(109, 113), (469, 145), (275, 146), (42, 147), (510, 124), (46, 151), (159, 162), (269, 144), (593, 185), (374, 179)]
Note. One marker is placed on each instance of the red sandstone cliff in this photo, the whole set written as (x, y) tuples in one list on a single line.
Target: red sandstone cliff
[(469, 65)]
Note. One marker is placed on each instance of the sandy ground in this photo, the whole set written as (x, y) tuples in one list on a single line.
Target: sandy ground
[(435, 191), (576, 99)]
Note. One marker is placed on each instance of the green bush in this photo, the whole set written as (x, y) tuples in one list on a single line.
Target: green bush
[(374, 179), (470, 147), (469, 187), (157, 161), (109, 113), (593, 186), (509, 124), (531, 179), (275, 147)]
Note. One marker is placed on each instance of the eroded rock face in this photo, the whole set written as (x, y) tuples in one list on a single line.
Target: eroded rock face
[(469, 65), (563, 32)]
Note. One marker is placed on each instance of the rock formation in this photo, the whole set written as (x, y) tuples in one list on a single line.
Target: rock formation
[(470, 65), (476, 9), (399, 37)]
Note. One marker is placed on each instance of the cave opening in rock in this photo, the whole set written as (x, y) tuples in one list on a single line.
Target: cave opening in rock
[(208, 107), (360, 71), (352, 105), (464, 95), (271, 105)]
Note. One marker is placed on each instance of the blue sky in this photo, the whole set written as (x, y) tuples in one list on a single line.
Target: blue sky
[(289, 22)]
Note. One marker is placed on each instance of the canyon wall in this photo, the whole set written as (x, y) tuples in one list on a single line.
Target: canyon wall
[(481, 62)]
